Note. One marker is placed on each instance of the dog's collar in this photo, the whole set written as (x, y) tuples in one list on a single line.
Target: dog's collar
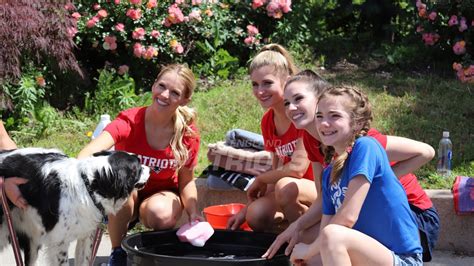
[(94, 200)]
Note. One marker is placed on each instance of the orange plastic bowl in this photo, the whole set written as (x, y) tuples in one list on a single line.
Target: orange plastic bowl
[(218, 215)]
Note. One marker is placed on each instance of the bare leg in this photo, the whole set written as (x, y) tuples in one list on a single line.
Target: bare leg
[(345, 246), (261, 213), (294, 196), (161, 211)]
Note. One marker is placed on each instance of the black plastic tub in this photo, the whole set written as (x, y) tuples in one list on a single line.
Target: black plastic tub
[(223, 248)]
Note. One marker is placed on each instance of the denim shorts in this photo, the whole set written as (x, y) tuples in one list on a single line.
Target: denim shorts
[(407, 260)]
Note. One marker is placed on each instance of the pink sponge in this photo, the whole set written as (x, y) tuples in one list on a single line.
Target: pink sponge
[(196, 233)]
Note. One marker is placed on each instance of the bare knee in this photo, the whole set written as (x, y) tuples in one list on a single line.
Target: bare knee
[(332, 238), (159, 216), (286, 193), (260, 216)]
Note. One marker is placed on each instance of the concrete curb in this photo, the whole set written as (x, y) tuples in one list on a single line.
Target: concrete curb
[(456, 232)]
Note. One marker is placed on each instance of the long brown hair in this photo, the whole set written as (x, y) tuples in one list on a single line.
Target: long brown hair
[(360, 112), (184, 115), (315, 82)]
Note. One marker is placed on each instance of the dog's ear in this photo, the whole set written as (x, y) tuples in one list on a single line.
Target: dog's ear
[(102, 153)]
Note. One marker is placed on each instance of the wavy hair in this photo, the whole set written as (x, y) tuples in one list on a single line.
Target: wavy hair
[(184, 115), (360, 111)]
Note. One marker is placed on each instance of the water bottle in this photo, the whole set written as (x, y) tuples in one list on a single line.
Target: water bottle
[(445, 154), (104, 121)]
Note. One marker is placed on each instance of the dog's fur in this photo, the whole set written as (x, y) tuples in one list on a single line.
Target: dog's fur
[(67, 199)]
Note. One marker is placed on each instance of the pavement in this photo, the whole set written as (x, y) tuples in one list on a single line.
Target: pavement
[(440, 258)]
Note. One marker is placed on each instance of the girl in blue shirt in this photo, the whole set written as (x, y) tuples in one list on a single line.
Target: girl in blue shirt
[(366, 217)]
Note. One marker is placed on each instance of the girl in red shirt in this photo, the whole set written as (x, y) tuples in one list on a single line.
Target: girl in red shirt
[(164, 137), (288, 188), (406, 155)]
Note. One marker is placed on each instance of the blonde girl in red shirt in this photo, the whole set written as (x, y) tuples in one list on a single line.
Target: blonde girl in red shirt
[(288, 188), (165, 138)]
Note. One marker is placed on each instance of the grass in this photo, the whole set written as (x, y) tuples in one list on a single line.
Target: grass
[(405, 104)]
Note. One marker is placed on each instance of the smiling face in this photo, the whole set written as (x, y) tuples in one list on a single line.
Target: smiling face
[(300, 105), (168, 92), (267, 86), (334, 122)]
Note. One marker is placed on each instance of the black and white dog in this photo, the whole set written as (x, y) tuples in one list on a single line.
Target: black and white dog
[(67, 198)]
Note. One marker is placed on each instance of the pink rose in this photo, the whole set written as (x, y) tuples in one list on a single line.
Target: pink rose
[(252, 30), (178, 49), (195, 15), (151, 4), (430, 38), (123, 69), (175, 15), (258, 3), (110, 43), (457, 66), (249, 40), (102, 13), (134, 14), (459, 47), (285, 6), (155, 34), (150, 52), (138, 50), (432, 15), (453, 20), (462, 24), (91, 22), (76, 15), (135, 2), (116, 2), (96, 7), (196, 2), (138, 34), (119, 27)]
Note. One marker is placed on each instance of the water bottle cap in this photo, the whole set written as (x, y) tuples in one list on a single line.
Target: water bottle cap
[(105, 117), (445, 134)]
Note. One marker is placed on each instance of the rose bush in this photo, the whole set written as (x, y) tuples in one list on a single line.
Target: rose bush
[(449, 26), (126, 31)]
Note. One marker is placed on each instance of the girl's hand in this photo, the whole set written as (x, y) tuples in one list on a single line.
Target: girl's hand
[(290, 236), (256, 190), (299, 256), (196, 217), (237, 220), (13, 192)]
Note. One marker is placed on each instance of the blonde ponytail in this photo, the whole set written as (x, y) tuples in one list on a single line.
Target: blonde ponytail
[(276, 56), (183, 118)]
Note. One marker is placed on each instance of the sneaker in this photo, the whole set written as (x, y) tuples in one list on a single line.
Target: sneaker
[(118, 257)]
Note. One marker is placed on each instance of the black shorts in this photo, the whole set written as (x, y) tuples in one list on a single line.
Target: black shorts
[(428, 226)]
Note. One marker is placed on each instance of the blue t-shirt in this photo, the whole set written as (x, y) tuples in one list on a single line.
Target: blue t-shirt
[(385, 214)]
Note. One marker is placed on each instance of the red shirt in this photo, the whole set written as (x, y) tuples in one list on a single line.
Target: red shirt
[(415, 193), (128, 132), (283, 146), (312, 147)]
